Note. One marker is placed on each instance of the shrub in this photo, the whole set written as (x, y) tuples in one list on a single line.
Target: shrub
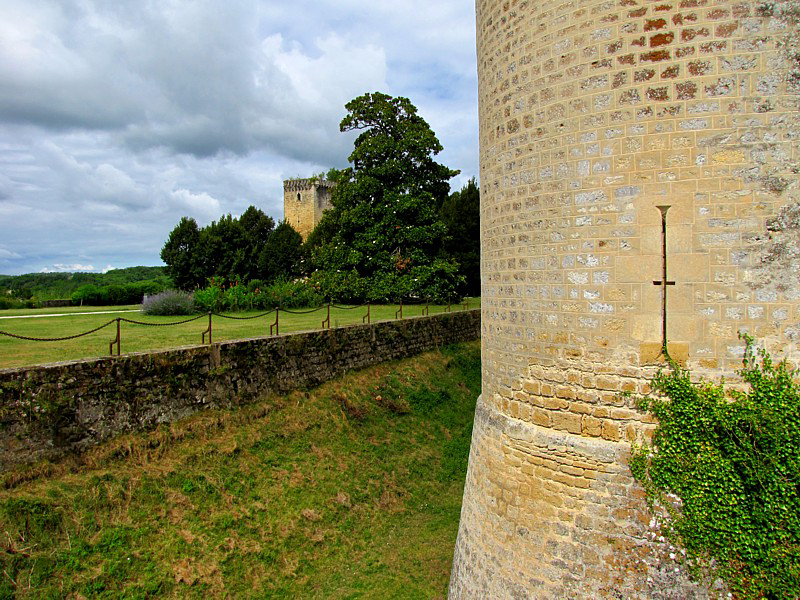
[(290, 294), (343, 286), (7, 302), (237, 297), (723, 470), (209, 299), (438, 282), (234, 296), (115, 294), (256, 284), (169, 302), (91, 295)]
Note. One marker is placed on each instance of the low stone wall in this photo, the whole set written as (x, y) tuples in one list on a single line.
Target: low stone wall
[(49, 410)]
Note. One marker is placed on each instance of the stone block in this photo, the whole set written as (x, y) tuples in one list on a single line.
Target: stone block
[(540, 417), (591, 426), (605, 382), (610, 431), (554, 403), (637, 269), (567, 422)]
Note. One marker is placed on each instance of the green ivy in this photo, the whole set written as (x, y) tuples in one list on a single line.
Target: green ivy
[(723, 473)]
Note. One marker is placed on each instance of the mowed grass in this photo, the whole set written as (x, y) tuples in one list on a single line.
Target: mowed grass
[(350, 490), (141, 338)]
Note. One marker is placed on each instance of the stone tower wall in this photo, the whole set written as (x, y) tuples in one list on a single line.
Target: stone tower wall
[(592, 114), (304, 201)]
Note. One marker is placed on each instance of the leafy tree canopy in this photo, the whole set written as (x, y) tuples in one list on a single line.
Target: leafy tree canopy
[(280, 256), (222, 247), (461, 214), (181, 254), (229, 248), (383, 238), (395, 147), (257, 228)]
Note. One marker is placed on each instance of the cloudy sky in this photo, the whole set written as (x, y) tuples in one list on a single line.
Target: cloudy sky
[(119, 117)]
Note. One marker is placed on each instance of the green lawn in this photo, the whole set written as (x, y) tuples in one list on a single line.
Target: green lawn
[(350, 490), (140, 338)]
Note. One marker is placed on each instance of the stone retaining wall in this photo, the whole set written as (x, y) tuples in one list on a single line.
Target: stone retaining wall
[(48, 410)]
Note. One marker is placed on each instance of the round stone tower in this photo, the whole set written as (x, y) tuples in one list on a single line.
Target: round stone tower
[(639, 196)]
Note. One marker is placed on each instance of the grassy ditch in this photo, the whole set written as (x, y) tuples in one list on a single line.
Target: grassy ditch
[(350, 490), (140, 338)]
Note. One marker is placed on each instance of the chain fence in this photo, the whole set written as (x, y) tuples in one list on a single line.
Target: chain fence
[(57, 339), (274, 326)]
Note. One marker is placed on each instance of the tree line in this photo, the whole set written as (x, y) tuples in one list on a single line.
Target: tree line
[(116, 286), (394, 231), (246, 248)]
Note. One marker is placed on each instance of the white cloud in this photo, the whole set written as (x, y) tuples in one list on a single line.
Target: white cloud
[(329, 73), (61, 268), (201, 203)]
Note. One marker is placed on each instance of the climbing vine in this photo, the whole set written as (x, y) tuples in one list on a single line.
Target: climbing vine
[(723, 473)]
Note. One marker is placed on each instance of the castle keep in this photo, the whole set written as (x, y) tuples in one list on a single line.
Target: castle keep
[(304, 201), (629, 149)]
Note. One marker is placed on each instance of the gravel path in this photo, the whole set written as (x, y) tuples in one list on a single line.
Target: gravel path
[(96, 312)]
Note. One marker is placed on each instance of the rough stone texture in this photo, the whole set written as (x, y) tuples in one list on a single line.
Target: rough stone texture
[(592, 113), (304, 201), (49, 410)]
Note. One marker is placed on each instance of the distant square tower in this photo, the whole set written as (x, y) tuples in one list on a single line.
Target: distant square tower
[(304, 201)]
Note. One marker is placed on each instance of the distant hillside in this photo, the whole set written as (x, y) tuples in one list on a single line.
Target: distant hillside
[(56, 286)]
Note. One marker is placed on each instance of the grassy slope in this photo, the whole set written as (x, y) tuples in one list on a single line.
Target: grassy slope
[(350, 490)]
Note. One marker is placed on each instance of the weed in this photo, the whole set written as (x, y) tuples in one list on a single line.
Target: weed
[(352, 408), (31, 517)]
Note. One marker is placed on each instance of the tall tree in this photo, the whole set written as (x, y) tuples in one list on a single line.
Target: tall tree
[(180, 254), (384, 233), (222, 248), (257, 228), (228, 248), (461, 214), (280, 256)]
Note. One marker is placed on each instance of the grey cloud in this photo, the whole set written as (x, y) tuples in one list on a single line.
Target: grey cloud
[(117, 118), (6, 254), (195, 79)]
